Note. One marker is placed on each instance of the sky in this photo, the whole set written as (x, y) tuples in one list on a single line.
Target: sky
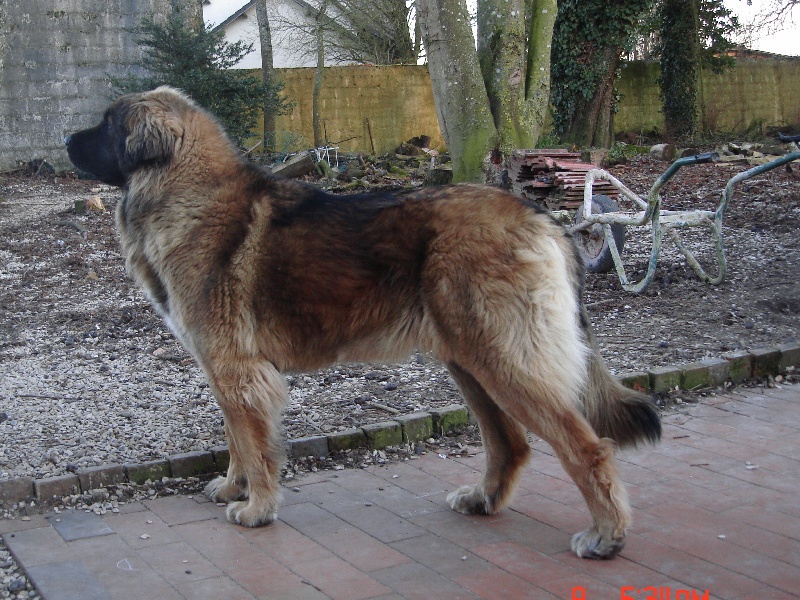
[(785, 42), (782, 42)]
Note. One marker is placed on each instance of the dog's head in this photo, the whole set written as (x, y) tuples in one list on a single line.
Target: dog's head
[(138, 131)]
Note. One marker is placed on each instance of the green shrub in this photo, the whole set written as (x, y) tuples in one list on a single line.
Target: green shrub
[(199, 62)]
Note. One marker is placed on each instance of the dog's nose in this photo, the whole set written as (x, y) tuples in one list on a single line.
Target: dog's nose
[(67, 140)]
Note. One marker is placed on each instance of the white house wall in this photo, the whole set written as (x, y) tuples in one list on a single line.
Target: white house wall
[(216, 11), (290, 47)]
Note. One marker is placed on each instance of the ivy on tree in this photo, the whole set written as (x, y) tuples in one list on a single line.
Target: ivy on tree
[(693, 37), (589, 39)]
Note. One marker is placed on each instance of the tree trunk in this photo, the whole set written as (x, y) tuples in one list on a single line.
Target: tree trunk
[(459, 92), (588, 41), (267, 73), (593, 124), (502, 54), (679, 67), (514, 52), (417, 39), (319, 137), (541, 21)]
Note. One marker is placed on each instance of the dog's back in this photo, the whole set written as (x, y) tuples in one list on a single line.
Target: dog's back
[(259, 275)]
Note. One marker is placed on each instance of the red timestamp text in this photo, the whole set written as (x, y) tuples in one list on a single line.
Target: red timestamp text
[(630, 592)]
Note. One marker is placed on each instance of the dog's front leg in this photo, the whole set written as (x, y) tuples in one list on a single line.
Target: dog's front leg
[(252, 395)]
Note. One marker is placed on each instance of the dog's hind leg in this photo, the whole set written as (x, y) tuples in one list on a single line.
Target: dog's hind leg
[(505, 445), (504, 297), (526, 365), (587, 459), (252, 396)]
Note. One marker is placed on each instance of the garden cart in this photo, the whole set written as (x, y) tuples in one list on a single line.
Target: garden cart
[(600, 227)]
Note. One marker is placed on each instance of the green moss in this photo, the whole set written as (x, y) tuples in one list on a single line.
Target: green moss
[(664, 379), (381, 435), (476, 147), (416, 426), (694, 375), (346, 440), (740, 365), (450, 418)]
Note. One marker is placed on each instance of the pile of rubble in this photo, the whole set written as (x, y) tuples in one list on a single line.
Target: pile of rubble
[(751, 153), (412, 162)]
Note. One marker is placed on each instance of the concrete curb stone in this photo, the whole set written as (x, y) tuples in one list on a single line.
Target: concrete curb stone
[(381, 435), (790, 356), (639, 381), (449, 418), (152, 470), (57, 487), (315, 445), (694, 376), (664, 379), (191, 464), (417, 426), (766, 361), (222, 457), (99, 477), (15, 490), (734, 366), (347, 439), (740, 365), (717, 371)]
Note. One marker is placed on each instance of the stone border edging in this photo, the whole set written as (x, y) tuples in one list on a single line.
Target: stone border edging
[(735, 367)]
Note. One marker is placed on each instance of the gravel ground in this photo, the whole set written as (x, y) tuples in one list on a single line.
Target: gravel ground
[(13, 583), (89, 374)]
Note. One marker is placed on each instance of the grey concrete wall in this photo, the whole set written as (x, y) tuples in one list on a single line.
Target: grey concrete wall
[(55, 59)]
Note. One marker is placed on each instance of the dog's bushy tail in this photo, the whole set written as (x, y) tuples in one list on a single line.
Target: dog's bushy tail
[(626, 416)]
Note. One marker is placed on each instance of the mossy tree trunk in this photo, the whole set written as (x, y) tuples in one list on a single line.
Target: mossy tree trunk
[(680, 63), (541, 18), (514, 52), (493, 99), (459, 93), (593, 123), (267, 73), (319, 136), (588, 41)]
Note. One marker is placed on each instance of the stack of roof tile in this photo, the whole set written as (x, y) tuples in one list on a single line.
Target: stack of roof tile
[(554, 177)]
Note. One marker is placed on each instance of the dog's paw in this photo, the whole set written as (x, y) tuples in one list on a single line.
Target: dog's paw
[(470, 499), (592, 544), (248, 514), (220, 490)]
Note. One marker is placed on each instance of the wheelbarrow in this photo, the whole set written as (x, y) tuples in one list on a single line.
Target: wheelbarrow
[(600, 227)]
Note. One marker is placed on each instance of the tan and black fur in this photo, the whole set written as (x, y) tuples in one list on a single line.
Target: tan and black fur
[(258, 276)]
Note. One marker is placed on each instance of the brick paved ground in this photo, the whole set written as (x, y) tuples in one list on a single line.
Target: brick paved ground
[(716, 507)]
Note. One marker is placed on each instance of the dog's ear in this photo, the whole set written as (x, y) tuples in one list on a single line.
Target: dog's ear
[(151, 132)]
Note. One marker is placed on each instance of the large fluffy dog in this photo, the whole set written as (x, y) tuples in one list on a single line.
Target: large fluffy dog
[(257, 276)]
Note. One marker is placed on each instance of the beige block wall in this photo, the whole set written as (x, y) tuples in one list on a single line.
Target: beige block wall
[(397, 100), (751, 95)]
